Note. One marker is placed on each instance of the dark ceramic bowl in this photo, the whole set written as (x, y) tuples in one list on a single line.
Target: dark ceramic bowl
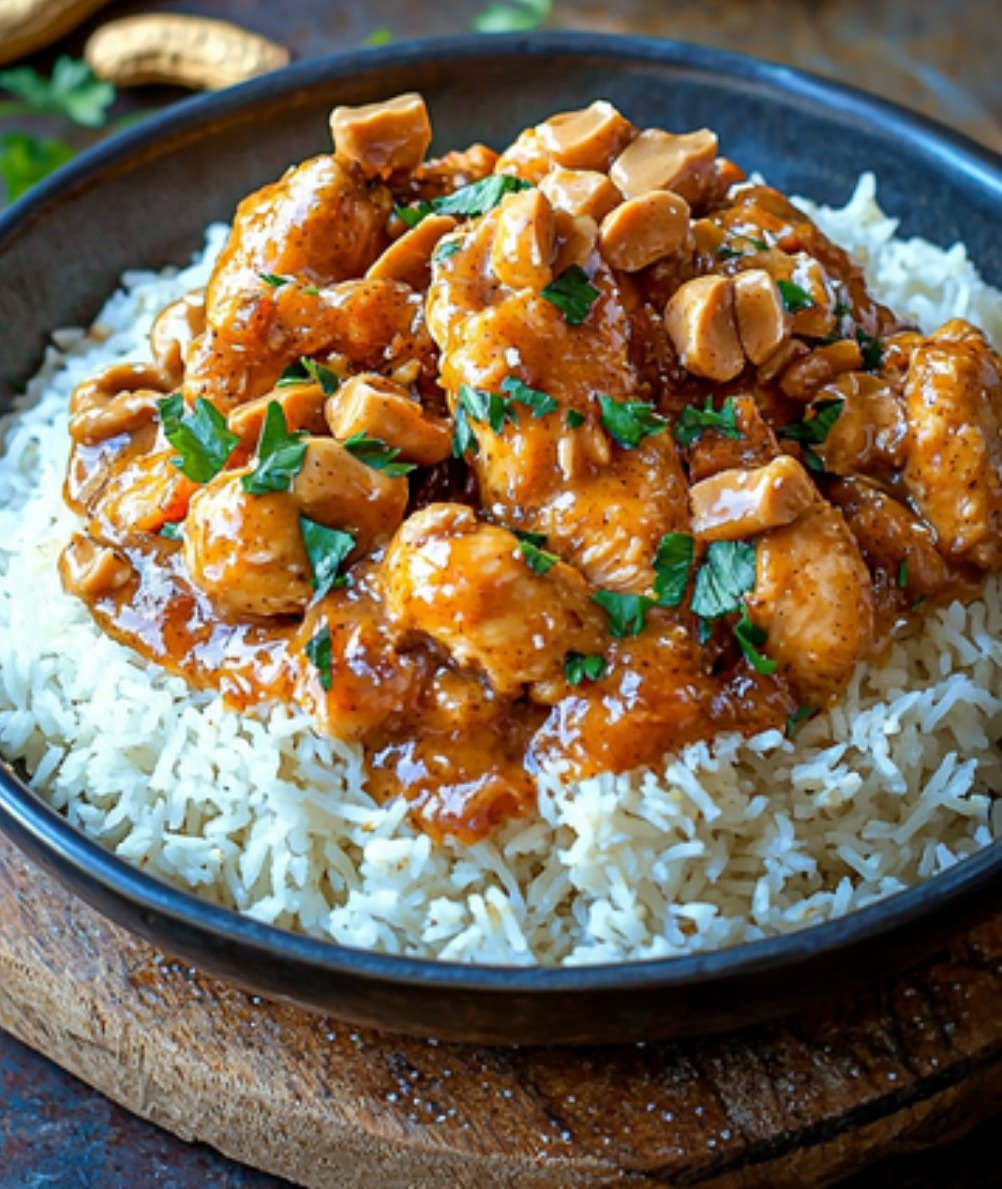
[(142, 199)]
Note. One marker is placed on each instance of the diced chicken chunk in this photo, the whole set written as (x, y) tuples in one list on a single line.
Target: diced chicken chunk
[(469, 587), (302, 406), (408, 258), (735, 504), (117, 400), (368, 404), (174, 330)]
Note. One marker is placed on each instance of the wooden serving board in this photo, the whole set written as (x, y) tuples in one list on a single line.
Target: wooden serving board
[(905, 1064)]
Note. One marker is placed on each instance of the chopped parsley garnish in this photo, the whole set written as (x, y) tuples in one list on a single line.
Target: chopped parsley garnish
[(580, 666), (515, 16), (72, 90), (308, 371), (326, 548), (489, 408), (541, 403), (538, 539), (171, 530), (872, 349), (750, 638), (801, 714), (903, 573), (447, 248), (201, 438), (574, 419), (538, 560), (475, 199), (672, 567), (376, 453), (628, 422), (311, 290), (463, 438), (813, 431), (279, 455), (795, 298), (726, 252), (25, 160), (273, 279), (319, 651), (627, 612), (572, 293), (692, 421), (725, 575)]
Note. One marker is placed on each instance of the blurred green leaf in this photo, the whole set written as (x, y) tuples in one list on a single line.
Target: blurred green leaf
[(515, 16), (25, 160), (380, 36), (73, 91)]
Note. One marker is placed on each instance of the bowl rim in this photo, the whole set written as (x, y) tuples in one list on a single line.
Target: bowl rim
[(24, 813)]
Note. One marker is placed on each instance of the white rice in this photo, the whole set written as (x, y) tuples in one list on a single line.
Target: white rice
[(728, 843)]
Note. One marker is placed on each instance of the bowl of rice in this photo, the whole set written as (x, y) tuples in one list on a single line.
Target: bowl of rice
[(736, 880)]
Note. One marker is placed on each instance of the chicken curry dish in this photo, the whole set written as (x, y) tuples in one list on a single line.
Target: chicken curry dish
[(565, 457)]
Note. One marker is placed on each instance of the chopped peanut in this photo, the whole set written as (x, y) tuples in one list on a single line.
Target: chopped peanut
[(117, 400), (522, 255), (802, 379), (642, 230), (736, 504), (763, 322), (382, 137), (302, 404), (176, 326), (577, 236), (371, 405), (587, 139), (700, 322), (336, 489), (408, 258), (90, 569), (580, 192), (658, 160)]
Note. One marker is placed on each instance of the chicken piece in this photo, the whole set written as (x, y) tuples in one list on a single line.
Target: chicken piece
[(382, 137), (735, 504), (469, 587), (869, 435), (135, 493), (805, 375), (246, 551), (368, 404), (953, 472), (894, 542), (302, 407), (814, 601), (336, 489), (175, 329), (118, 400), (752, 445), (408, 258)]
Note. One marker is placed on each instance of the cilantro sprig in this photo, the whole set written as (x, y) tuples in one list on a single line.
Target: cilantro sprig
[(467, 202), (326, 548), (814, 430), (750, 638), (692, 421), (280, 455), (582, 666), (72, 91), (202, 439), (540, 403), (725, 575), (308, 371), (320, 651), (495, 409), (627, 613), (795, 297), (628, 422), (376, 453), (539, 560), (572, 293), (672, 568)]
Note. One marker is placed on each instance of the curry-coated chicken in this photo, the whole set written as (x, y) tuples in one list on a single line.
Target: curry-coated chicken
[(564, 456)]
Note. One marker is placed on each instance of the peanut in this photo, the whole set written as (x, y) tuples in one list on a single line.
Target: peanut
[(181, 51), (29, 25)]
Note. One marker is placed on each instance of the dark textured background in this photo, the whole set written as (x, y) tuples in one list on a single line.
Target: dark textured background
[(942, 59)]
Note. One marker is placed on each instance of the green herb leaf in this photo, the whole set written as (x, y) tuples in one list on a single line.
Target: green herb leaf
[(801, 714), (380, 36), (574, 419), (308, 371), (320, 652), (538, 539), (541, 403), (171, 530), (725, 252), (873, 351), (813, 430), (580, 666), (630, 421), (411, 215), (447, 248), (273, 279), (376, 453), (572, 293), (627, 612), (538, 560), (25, 160), (691, 422), (279, 455), (486, 407), (750, 639), (326, 548), (201, 438), (463, 438), (672, 567), (794, 297), (725, 575), (479, 197), (73, 91), (902, 578), (516, 16)]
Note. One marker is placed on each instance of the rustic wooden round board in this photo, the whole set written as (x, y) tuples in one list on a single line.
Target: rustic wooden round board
[(908, 1063)]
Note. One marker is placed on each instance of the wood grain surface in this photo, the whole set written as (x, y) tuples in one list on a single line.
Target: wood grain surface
[(906, 1064)]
